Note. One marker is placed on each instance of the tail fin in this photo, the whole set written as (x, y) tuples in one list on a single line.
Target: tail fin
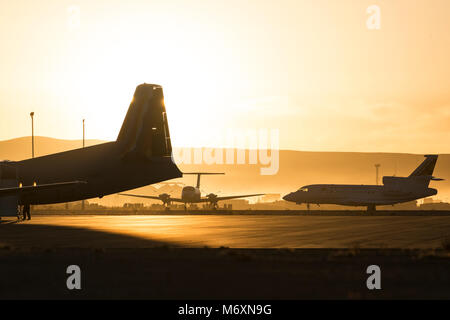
[(145, 131), (200, 174), (426, 168), (417, 180)]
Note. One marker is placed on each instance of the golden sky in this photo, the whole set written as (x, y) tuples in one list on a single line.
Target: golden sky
[(312, 69)]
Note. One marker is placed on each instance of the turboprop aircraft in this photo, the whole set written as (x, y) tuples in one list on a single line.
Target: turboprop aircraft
[(190, 195), (140, 156)]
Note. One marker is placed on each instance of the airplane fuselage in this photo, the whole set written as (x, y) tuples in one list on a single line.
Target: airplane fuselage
[(356, 195), (190, 194), (104, 169)]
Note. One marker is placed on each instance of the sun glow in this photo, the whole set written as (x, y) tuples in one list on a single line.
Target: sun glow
[(228, 64)]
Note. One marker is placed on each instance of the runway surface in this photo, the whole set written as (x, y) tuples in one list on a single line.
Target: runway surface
[(163, 257), (265, 231)]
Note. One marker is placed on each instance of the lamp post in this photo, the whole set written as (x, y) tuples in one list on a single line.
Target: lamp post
[(32, 134), (83, 133), (82, 201), (376, 172)]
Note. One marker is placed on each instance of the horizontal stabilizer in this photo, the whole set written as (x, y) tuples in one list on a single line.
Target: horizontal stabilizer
[(200, 174)]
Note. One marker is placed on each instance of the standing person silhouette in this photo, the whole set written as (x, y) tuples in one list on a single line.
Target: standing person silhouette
[(26, 212)]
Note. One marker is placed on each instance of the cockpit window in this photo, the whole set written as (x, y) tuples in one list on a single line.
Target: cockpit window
[(304, 189)]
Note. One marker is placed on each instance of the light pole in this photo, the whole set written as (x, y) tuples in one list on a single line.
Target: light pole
[(83, 133), (376, 170), (82, 201), (32, 134)]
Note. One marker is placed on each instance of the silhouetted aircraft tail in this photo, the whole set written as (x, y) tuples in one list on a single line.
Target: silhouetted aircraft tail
[(145, 131), (199, 174), (419, 179), (426, 168)]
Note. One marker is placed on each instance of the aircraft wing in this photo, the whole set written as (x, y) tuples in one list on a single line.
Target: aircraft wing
[(231, 197), (150, 197), (37, 188)]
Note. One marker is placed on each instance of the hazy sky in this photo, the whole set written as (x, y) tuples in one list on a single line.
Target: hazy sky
[(312, 69)]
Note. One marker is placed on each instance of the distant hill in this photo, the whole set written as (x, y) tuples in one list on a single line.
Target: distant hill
[(296, 168), (20, 148)]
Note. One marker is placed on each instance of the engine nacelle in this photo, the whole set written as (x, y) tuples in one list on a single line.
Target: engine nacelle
[(406, 184)]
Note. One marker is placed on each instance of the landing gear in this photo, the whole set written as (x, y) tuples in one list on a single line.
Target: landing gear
[(20, 213), (26, 212), (185, 207), (371, 209), (307, 206), (166, 206)]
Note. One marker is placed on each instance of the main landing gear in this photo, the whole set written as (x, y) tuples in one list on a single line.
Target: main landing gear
[(371, 209)]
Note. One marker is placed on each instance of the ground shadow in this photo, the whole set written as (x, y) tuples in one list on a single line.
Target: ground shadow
[(34, 261), (22, 235)]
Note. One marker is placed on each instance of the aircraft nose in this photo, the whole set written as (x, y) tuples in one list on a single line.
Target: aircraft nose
[(288, 197)]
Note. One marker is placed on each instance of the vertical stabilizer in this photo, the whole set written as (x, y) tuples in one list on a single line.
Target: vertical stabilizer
[(426, 168), (145, 131)]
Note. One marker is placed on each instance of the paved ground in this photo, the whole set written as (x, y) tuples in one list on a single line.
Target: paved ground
[(164, 257), (243, 231)]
